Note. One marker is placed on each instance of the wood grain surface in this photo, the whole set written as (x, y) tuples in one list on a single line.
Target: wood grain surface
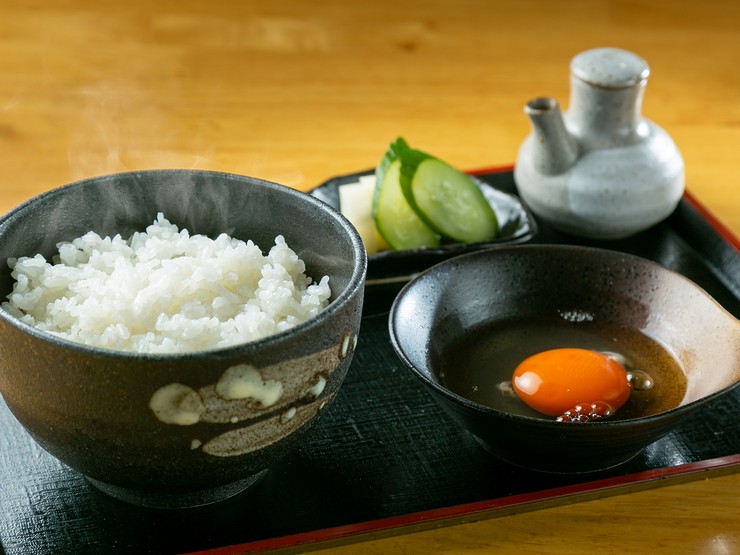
[(297, 92), (691, 518)]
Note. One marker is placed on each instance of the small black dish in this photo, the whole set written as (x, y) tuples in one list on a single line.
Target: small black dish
[(516, 223)]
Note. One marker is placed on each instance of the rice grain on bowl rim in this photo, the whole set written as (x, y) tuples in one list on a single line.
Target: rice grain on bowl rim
[(164, 291)]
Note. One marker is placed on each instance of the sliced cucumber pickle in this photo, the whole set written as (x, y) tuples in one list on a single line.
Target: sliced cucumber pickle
[(448, 201), (396, 221)]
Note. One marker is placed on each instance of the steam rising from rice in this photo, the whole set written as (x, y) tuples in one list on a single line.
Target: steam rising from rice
[(164, 291)]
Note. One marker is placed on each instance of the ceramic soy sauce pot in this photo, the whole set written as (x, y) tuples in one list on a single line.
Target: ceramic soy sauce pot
[(601, 170)]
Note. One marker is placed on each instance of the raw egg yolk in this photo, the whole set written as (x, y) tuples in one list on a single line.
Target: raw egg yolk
[(555, 381)]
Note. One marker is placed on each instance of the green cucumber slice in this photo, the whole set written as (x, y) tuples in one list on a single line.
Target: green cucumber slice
[(397, 150), (396, 221), (447, 200)]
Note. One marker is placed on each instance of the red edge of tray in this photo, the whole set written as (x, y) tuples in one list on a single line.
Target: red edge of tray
[(718, 226), (470, 510)]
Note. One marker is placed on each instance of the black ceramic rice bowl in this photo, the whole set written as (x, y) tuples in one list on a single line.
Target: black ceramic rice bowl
[(92, 408)]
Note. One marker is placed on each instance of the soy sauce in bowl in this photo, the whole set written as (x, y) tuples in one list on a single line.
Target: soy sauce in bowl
[(479, 364)]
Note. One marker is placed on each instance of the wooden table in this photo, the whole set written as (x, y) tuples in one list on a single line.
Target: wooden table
[(296, 92)]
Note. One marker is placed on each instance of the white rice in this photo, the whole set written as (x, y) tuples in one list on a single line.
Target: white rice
[(164, 291)]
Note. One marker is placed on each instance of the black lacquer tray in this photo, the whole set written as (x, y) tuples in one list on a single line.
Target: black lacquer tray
[(384, 458)]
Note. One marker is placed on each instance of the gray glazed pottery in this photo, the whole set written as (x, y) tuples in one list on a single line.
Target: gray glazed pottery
[(601, 170), (152, 429), (536, 282)]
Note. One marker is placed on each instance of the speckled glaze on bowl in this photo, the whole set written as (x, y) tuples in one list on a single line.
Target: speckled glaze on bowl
[(532, 281), (90, 407)]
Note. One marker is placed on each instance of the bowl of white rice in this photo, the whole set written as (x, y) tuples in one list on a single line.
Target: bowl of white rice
[(171, 333)]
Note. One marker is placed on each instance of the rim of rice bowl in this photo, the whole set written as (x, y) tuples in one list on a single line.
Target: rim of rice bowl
[(334, 302)]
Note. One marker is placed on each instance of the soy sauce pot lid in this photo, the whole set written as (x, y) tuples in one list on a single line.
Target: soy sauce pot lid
[(611, 68)]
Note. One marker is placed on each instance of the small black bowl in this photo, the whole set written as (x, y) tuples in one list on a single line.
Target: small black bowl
[(531, 282)]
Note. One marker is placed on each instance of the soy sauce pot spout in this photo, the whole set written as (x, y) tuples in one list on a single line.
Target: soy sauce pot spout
[(554, 150)]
